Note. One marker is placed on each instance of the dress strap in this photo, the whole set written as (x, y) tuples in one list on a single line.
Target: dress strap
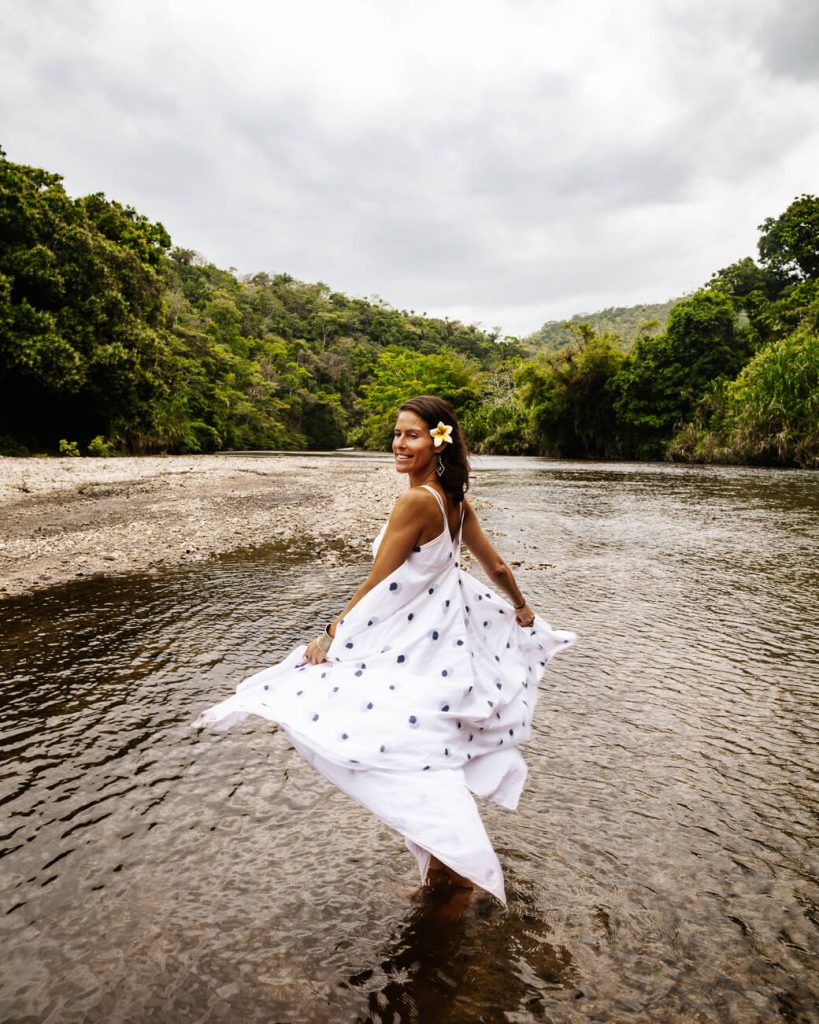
[(432, 490), (456, 540)]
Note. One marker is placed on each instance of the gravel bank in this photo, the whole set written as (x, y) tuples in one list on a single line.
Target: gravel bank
[(64, 518)]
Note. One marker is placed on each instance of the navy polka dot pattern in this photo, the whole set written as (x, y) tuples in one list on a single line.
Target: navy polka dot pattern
[(415, 679), (428, 690)]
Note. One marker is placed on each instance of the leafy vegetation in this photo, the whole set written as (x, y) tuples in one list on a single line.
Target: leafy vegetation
[(624, 324), (769, 415), (570, 398), (112, 337)]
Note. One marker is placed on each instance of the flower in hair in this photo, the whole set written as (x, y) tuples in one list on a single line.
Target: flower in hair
[(443, 432)]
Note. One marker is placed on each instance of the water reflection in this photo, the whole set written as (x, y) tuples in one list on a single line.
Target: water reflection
[(661, 866), (455, 953)]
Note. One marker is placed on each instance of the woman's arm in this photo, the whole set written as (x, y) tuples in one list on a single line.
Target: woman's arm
[(413, 511), (494, 566)]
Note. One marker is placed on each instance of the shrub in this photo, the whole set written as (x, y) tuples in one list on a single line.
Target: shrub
[(69, 447), (100, 448)]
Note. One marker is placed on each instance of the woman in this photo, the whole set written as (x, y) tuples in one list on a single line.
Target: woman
[(419, 692)]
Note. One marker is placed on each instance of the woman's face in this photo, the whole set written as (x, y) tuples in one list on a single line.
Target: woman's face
[(412, 444)]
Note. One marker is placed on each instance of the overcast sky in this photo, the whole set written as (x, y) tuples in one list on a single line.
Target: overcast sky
[(503, 162)]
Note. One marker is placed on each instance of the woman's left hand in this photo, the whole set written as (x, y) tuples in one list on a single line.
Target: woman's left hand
[(314, 654), (524, 616)]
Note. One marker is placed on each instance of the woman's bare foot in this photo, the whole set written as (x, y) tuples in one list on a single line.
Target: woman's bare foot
[(438, 873)]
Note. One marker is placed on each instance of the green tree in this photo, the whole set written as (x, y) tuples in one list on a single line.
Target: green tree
[(401, 374), (661, 381), (774, 295), (80, 305), (768, 415), (569, 398), (789, 244), (498, 421)]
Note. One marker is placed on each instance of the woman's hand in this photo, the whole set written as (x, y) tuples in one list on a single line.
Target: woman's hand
[(314, 654), (524, 616)]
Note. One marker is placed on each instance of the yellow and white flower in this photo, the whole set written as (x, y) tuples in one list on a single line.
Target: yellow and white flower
[(443, 432)]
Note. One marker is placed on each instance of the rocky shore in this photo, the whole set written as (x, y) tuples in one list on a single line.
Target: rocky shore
[(73, 517)]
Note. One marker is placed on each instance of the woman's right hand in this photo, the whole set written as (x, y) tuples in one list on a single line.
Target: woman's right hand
[(314, 654), (524, 616)]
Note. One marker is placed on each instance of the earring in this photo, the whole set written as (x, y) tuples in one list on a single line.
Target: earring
[(440, 469)]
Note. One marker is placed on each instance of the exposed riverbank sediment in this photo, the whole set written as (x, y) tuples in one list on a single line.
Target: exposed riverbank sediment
[(66, 518)]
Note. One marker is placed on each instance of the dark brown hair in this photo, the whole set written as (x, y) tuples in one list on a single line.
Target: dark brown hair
[(455, 457)]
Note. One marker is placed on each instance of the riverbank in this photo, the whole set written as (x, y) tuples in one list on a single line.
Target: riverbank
[(61, 519)]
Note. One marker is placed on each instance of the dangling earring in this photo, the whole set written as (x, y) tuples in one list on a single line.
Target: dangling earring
[(440, 469)]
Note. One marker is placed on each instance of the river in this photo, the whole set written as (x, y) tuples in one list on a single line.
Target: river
[(662, 865)]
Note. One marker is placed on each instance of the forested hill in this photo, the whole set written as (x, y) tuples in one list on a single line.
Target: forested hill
[(112, 340), (627, 322)]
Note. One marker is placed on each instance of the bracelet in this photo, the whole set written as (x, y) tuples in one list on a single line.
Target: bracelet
[(518, 607), (324, 641)]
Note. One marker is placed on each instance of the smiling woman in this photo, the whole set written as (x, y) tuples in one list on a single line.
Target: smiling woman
[(420, 691)]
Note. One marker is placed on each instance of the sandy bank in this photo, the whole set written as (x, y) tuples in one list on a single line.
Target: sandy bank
[(64, 518)]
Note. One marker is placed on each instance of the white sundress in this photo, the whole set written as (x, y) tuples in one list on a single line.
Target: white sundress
[(428, 690)]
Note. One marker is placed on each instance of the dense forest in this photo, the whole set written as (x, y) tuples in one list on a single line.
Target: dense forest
[(626, 323), (112, 340)]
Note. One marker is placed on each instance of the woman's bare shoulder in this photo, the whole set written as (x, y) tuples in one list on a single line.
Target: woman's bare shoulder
[(414, 501)]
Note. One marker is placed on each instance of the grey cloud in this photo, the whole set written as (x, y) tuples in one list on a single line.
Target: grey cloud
[(489, 195), (789, 40)]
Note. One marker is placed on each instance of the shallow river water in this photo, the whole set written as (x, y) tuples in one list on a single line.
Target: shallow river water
[(662, 865)]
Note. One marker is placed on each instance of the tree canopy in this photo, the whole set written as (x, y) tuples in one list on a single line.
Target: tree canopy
[(112, 339)]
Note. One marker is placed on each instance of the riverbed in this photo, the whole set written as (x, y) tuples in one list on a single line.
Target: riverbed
[(661, 866)]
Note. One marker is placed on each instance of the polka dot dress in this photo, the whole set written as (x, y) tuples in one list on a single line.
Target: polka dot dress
[(428, 690)]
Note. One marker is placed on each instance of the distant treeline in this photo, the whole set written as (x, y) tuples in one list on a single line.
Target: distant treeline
[(114, 341), (626, 323)]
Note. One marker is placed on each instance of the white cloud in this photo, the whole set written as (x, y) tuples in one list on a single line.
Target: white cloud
[(507, 161)]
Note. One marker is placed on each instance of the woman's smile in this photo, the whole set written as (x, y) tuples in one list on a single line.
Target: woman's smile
[(412, 443)]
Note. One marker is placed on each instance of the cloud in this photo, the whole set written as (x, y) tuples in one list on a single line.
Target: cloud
[(503, 162), (788, 41)]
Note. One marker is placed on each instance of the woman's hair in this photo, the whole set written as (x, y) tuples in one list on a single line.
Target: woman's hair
[(455, 457)]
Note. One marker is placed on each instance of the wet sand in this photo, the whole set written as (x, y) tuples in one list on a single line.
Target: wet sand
[(66, 518)]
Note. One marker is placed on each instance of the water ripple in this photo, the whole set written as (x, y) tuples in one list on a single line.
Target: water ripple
[(661, 866)]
